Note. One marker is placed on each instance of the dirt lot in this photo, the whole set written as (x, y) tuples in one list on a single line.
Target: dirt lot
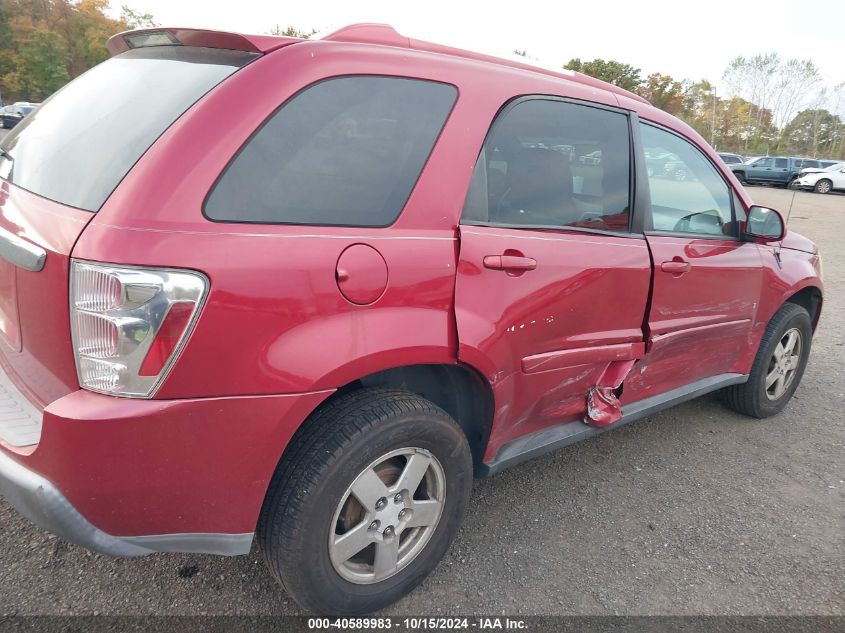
[(696, 510)]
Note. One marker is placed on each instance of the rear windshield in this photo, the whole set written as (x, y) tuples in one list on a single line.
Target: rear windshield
[(81, 142)]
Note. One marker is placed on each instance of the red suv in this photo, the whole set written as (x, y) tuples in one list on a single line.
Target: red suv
[(301, 292)]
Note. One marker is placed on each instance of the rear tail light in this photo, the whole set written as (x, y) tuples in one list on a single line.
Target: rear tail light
[(129, 323)]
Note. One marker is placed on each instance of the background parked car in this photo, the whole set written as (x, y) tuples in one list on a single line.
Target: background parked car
[(666, 165), (775, 170), (822, 180), (731, 159), (13, 114)]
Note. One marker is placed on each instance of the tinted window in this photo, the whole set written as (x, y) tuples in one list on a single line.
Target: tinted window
[(687, 193), (552, 163), (345, 151), (80, 143), (781, 163)]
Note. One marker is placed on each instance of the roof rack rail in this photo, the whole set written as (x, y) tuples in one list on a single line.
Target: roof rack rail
[(386, 35)]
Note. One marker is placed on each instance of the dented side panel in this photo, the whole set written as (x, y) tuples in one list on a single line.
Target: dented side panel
[(545, 337)]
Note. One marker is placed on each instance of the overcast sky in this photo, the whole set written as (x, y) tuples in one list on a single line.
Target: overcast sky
[(694, 39)]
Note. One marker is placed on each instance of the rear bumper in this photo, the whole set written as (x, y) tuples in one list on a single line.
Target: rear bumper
[(130, 477), (43, 504)]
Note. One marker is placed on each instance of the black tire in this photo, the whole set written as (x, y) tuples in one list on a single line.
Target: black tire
[(751, 397), (740, 176), (823, 186), (334, 446)]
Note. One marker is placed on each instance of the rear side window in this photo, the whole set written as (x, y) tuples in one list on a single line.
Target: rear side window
[(553, 163), (346, 151), (83, 140), (781, 163)]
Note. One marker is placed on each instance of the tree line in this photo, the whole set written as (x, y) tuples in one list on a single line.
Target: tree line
[(46, 43), (773, 105)]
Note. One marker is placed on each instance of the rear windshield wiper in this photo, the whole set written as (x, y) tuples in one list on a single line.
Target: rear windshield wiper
[(7, 155)]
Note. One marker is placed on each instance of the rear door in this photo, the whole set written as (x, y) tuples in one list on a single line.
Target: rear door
[(706, 280), (551, 286), (838, 178), (780, 170)]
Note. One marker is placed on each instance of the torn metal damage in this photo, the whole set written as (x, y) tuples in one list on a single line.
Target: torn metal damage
[(603, 406)]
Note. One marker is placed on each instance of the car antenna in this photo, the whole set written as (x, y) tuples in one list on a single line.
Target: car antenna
[(786, 222)]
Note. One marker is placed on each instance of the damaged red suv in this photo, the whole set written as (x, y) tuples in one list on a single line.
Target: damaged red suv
[(257, 288)]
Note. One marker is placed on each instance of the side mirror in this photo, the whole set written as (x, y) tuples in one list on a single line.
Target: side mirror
[(764, 224)]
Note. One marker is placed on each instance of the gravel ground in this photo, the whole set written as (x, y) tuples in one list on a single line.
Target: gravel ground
[(696, 510)]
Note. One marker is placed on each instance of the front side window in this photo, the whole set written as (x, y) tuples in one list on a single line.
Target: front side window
[(762, 162), (687, 194), (553, 163), (343, 152)]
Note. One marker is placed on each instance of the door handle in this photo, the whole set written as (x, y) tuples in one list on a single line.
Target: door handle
[(676, 267), (509, 262)]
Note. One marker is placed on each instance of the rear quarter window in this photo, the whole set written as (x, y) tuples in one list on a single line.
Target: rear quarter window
[(346, 152)]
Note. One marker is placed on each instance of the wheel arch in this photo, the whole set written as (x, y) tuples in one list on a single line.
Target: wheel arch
[(809, 298), (827, 180), (459, 389)]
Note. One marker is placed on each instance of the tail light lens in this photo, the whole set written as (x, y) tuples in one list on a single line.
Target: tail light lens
[(128, 324)]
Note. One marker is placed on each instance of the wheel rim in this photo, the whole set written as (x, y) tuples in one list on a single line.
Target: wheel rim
[(823, 187), (783, 364), (387, 516)]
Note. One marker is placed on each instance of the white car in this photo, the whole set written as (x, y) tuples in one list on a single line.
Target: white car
[(822, 180)]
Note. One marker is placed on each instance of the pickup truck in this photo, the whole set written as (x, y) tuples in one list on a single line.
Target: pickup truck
[(777, 170)]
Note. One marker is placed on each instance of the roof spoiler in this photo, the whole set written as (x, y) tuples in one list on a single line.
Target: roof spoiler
[(142, 38)]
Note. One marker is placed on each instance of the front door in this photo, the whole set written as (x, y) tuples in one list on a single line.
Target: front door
[(551, 287), (706, 281)]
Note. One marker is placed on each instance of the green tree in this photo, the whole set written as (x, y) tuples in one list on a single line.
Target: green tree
[(813, 133), (663, 92), (42, 66), (135, 20), (45, 43), (292, 31), (622, 75)]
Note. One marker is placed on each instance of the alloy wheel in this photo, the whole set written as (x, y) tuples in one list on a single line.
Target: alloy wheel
[(784, 364), (387, 516)]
